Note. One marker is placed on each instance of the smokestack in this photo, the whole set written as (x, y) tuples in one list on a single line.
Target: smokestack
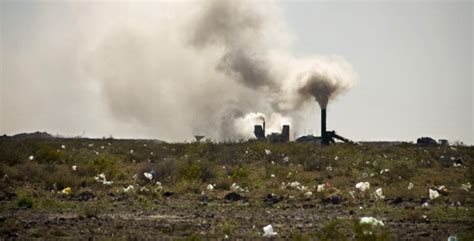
[(324, 139)]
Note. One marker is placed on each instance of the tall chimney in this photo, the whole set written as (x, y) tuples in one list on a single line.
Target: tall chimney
[(324, 139)]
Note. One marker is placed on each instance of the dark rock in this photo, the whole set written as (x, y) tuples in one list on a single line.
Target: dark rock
[(397, 200), (167, 194), (424, 200), (334, 199), (233, 196), (272, 199)]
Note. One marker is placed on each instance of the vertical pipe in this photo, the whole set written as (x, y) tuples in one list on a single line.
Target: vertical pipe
[(324, 140)]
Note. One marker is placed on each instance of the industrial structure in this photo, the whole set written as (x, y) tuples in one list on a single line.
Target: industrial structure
[(284, 136)]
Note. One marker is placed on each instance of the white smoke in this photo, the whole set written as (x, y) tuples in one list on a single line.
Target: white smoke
[(171, 70)]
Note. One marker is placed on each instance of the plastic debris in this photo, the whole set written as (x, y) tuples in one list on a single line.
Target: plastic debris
[(268, 152), (320, 188), (286, 159), (268, 231), (379, 194), (425, 204), (148, 175), (66, 191), (294, 184), (363, 186), (101, 178), (210, 187), (384, 170), (308, 194), (410, 186), (63, 147), (272, 175), (433, 194), (131, 151), (74, 168), (352, 193), (236, 188), (129, 188), (329, 168), (466, 187), (336, 158), (452, 238), (371, 220), (31, 158)]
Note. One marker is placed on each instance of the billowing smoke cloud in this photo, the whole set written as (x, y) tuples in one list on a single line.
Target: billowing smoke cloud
[(206, 73), (172, 70), (325, 79)]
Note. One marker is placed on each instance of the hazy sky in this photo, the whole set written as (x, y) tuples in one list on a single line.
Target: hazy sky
[(414, 60)]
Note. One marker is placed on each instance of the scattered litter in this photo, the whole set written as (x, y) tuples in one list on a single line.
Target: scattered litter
[(286, 159), (308, 194), (148, 175), (31, 158), (102, 147), (371, 220), (452, 238), (63, 147), (131, 151), (372, 174), (272, 175), (144, 189), (226, 236), (268, 152), (210, 187), (160, 186), (363, 186), (101, 178), (66, 191), (129, 188), (352, 193), (384, 170), (329, 168), (74, 168), (466, 187), (379, 194), (236, 188), (336, 158), (273, 163), (320, 188), (410, 186), (268, 231), (294, 184), (433, 194), (91, 145)]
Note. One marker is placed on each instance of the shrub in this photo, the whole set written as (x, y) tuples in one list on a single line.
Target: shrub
[(24, 201), (46, 154)]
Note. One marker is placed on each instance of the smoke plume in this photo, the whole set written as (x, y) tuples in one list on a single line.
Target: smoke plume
[(169, 70)]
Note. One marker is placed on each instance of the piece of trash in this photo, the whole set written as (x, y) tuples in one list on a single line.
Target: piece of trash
[(210, 187), (102, 147), (371, 220), (452, 238), (131, 151), (363, 186), (268, 231), (66, 191), (379, 194), (308, 194), (336, 158), (466, 187), (433, 194), (329, 168), (286, 159), (63, 147), (352, 193), (268, 152), (31, 158), (74, 168), (148, 175), (236, 188), (294, 184), (160, 186), (410, 186), (101, 178), (320, 188), (129, 188), (144, 189), (272, 175)]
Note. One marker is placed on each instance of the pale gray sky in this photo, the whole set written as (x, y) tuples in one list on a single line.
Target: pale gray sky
[(414, 60)]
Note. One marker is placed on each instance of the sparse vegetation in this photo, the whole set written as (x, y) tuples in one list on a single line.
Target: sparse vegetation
[(272, 183)]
